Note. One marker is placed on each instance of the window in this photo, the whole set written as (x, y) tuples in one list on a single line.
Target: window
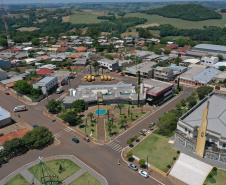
[(186, 129), (224, 145)]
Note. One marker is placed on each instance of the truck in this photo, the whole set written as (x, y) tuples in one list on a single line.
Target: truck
[(20, 108), (60, 90)]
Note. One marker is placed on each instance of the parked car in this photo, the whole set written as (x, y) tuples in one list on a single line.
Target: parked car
[(144, 130), (133, 167), (152, 124), (34, 126), (143, 173), (86, 139), (112, 78), (132, 139), (75, 140), (6, 93)]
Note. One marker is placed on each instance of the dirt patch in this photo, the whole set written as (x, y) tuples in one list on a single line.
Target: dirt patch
[(28, 28), (126, 34), (153, 24), (66, 18), (40, 21), (14, 127)]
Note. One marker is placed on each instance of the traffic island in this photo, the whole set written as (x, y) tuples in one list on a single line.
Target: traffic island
[(18, 179), (86, 178), (216, 176)]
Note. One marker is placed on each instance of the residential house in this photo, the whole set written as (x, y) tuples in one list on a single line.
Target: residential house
[(62, 49), (80, 62), (44, 71), (209, 61), (3, 75), (5, 63)]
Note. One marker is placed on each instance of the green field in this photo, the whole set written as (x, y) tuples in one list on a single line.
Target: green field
[(158, 149), (18, 179), (68, 165), (86, 178), (218, 178), (178, 22)]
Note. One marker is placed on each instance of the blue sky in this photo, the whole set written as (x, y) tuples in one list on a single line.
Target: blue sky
[(76, 1)]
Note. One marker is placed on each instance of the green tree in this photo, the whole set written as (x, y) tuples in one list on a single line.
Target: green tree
[(142, 106), (158, 51), (54, 106), (38, 137), (109, 57), (23, 87), (120, 104), (144, 33), (203, 91), (3, 42), (135, 137), (167, 51), (192, 101), (220, 57), (60, 168), (35, 93), (93, 31), (129, 142), (178, 105), (79, 105), (35, 41), (72, 118), (183, 102), (17, 70), (91, 116), (142, 163), (222, 68), (129, 155)]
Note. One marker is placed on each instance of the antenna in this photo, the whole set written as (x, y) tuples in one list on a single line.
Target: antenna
[(6, 28)]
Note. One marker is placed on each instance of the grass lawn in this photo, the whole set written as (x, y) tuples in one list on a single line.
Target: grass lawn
[(218, 178), (69, 166), (83, 179), (17, 180), (126, 106), (89, 128), (135, 116), (158, 149), (178, 22), (114, 131), (161, 134)]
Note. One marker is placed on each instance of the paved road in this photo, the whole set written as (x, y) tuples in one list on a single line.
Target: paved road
[(103, 159)]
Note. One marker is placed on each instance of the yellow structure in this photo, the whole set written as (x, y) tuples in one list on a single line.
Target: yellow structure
[(109, 78), (93, 78), (85, 78), (89, 78), (105, 78), (201, 140), (102, 78)]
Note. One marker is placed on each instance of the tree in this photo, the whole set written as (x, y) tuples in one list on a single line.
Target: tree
[(93, 31), (72, 118), (35, 41), (158, 51), (142, 163), (54, 106), (108, 113), (110, 126), (38, 137), (17, 70), (79, 105), (129, 142), (3, 42), (178, 105), (120, 104), (91, 116), (23, 87), (203, 91), (95, 64), (220, 57), (183, 102), (131, 115), (167, 51), (109, 57), (142, 106), (222, 68), (192, 101), (144, 33), (135, 137), (129, 156), (60, 168)]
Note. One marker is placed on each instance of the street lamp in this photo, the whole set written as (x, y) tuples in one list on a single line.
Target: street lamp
[(63, 164), (86, 125)]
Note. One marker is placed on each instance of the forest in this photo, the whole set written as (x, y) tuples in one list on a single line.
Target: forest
[(190, 12)]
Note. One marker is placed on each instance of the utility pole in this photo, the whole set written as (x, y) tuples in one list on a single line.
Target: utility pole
[(147, 164), (86, 126), (90, 69)]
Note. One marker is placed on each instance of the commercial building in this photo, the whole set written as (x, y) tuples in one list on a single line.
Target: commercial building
[(111, 65), (163, 74), (47, 84), (157, 92), (5, 117), (219, 64), (202, 129), (109, 93), (145, 68), (209, 61), (179, 69), (220, 77), (3, 75)]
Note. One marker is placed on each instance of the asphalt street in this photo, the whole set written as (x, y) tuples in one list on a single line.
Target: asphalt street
[(103, 159)]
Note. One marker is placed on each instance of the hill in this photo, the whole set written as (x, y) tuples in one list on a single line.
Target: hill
[(190, 12)]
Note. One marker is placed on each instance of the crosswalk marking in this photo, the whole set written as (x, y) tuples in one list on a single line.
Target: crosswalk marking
[(115, 146), (68, 129), (39, 107), (119, 149)]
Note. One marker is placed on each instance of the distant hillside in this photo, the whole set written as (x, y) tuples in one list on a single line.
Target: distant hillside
[(190, 12)]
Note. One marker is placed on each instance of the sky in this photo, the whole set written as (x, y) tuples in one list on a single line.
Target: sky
[(79, 1)]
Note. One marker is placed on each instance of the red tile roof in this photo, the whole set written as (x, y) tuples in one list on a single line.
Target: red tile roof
[(171, 47), (44, 71), (44, 57), (81, 49), (75, 55), (13, 135), (184, 49), (62, 49)]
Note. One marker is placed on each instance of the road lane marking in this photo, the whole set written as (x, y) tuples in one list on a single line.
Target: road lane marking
[(117, 147)]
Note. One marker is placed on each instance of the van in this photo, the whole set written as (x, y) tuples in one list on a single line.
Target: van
[(20, 108), (60, 90)]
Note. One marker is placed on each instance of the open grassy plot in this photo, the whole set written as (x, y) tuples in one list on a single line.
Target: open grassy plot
[(17, 180), (161, 134), (151, 19), (91, 126), (86, 178), (132, 117), (117, 127), (218, 178), (68, 166), (158, 149)]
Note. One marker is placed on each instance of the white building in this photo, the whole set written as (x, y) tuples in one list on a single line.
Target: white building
[(209, 61), (47, 84), (5, 117), (111, 65), (48, 66), (3, 75)]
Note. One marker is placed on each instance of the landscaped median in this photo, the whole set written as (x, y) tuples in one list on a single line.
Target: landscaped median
[(90, 128), (216, 176), (18, 179), (86, 178), (160, 153)]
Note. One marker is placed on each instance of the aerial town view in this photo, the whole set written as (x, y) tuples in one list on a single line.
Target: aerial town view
[(110, 92)]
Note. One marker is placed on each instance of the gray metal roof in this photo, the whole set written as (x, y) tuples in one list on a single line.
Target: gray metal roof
[(206, 75), (46, 79), (4, 114), (211, 47), (216, 115), (177, 68), (188, 75)]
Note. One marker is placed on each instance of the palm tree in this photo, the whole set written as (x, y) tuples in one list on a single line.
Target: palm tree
[(108, 113), (128, 109), (131, 115), (142, 105), (91, 116)]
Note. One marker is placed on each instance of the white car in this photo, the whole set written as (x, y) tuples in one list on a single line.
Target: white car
[(143, 173)]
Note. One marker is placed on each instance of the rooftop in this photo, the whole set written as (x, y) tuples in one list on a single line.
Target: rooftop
[(142, 67), (210, 47), (4, 114), (206, 75), (191, 73), (44, 71), (46, 79)]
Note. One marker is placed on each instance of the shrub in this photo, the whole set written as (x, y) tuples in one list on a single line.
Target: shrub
[(178, 152), (129, 155), (142, 163), (125, 116), (92, 125), (174, 158), (132, 106), (214, 169), (210, 176), (169, 166), (137, 116), (176, 91), (92, 130)]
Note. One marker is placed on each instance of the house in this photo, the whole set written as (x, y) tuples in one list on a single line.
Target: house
[(45, 58), (75, 55), (44, 71), (30, 60), (48, 66), (111, 65), (143, 54), (47, 84), (62, 49), (80, 62), (52, 50), (29, 71), (179, 69), (93, 50), (3, 75), (220, 77), (163, 74), (81, 49), (170, 47), (218, 64), (209, 61), (5, 63)]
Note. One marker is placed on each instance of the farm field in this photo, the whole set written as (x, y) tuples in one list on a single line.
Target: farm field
[(28, 29), (155, 19)]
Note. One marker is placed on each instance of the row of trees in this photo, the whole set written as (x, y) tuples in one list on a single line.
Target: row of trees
[(37, 138)]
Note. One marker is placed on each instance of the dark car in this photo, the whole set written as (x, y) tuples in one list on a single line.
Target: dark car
[(133, 167), (35, 126), (75, 140), (132, 139), (86, 139), (6, 93)]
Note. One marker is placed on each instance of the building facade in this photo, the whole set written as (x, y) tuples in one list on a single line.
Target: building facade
[(163, 74)]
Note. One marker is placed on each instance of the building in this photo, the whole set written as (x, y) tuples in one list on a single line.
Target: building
[(30, 60), (80, 62), (209, 61), (220, 77), (157, 92), (5, 63), (48, 66), (81, 49), (179, 69), (111, 65), (202, 129), (3, 75), (47, 84), (219, 64), (170, 47), (163, 74), (44, 71), (145, 68), (192, 61), (5, 117), (143, 54), (109, 93), (45, 58)]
